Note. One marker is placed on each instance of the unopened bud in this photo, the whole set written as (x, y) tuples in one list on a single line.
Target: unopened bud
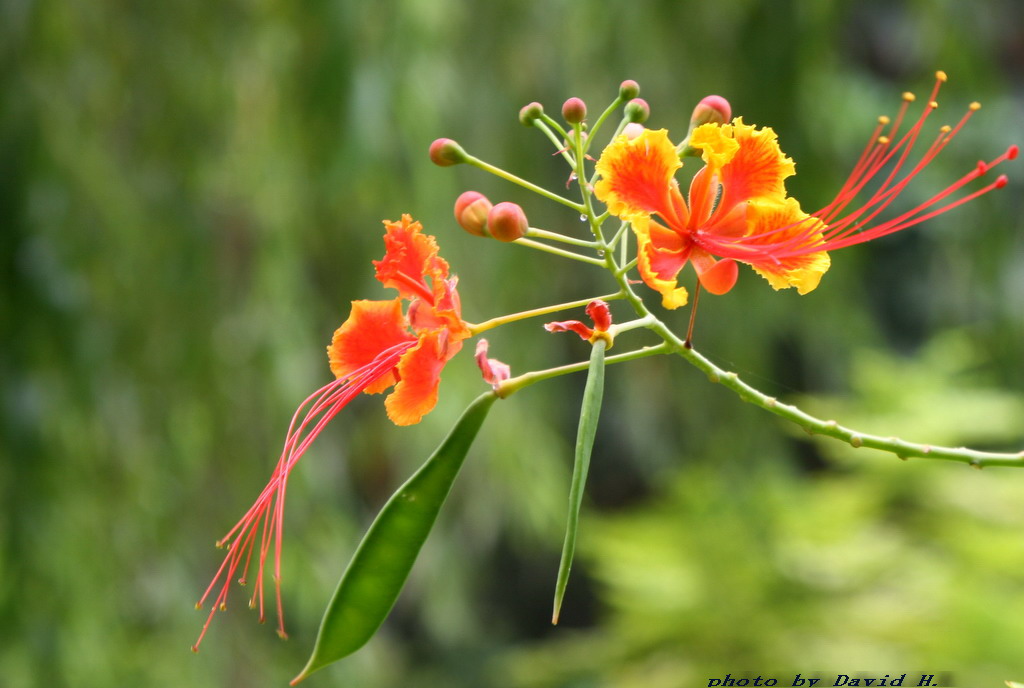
[(530, 112), (445, 153), (471, 209), (507, 222), (637, 110), (629, 89), (632, 130), (574, 111), (714, 109)]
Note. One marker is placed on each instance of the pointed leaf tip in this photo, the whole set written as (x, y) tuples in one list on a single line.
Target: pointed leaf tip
[(374, 578), (590, 411)]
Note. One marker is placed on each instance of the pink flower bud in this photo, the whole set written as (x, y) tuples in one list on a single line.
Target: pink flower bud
[(574, 111), (445, 153), (711, 109), (530, 112), (507, 222), (471, 209), (632, 130), (629, 89), (637, 110)]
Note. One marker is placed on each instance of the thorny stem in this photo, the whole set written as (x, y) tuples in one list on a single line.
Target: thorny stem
[(829, 428), (811, 424)]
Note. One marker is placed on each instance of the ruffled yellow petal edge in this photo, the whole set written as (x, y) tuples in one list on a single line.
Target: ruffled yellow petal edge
[(779, 225), (747, 161)]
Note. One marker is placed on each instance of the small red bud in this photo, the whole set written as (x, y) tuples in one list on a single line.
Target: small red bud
[(637, 110), (471, 209), (445, 152), (507, 222), (574, 111), (530, 112), (711, 109), (629, 89)]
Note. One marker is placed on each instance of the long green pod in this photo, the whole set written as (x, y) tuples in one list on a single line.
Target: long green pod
[(378, 570), (590, 411)]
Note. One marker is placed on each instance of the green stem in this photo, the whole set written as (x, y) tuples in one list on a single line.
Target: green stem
[(513, 385), (645, 321), (546, 310), (498, 172), (545, 118), (585, 194), (559, 252), (600, 120), (560, 146), (811, 424), (555, 236), (830, 428), (628, 266)]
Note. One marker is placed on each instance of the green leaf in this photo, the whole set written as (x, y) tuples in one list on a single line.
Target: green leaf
[(590, 411), (371, 583)]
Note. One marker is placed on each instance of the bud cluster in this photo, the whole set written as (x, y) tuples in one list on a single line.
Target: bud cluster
[(504, 221)]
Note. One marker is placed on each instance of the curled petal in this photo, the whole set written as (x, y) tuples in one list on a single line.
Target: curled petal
[(716, 276), (494, 371), (445, 312), (409, 257), (662, 253), (576, 326), (601, 315), (716, 144), (371, 327)]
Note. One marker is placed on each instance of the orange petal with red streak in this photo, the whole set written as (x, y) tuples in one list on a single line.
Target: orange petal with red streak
[(757, 170), (409, 257), (785, 232), (661, 255), (372, 327), (637, 176), (419, 372)]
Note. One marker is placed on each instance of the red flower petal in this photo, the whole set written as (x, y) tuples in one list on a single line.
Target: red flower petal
[(372, 327)]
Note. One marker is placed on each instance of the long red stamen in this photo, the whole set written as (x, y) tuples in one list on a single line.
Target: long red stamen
[(265, 518), (853, 228)]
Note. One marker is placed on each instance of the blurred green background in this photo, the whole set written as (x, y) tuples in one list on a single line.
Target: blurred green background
[(192, 192)]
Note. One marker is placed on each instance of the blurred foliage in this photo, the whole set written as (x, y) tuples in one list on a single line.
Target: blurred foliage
[(191, 195)]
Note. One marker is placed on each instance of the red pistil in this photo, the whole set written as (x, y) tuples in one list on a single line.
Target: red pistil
[(267, 513)]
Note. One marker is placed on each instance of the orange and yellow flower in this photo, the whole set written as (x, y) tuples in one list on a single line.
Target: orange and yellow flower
[(377, 347), (737, 209)]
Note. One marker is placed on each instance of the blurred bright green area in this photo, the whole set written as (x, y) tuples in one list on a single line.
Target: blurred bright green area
[(191, 195)]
